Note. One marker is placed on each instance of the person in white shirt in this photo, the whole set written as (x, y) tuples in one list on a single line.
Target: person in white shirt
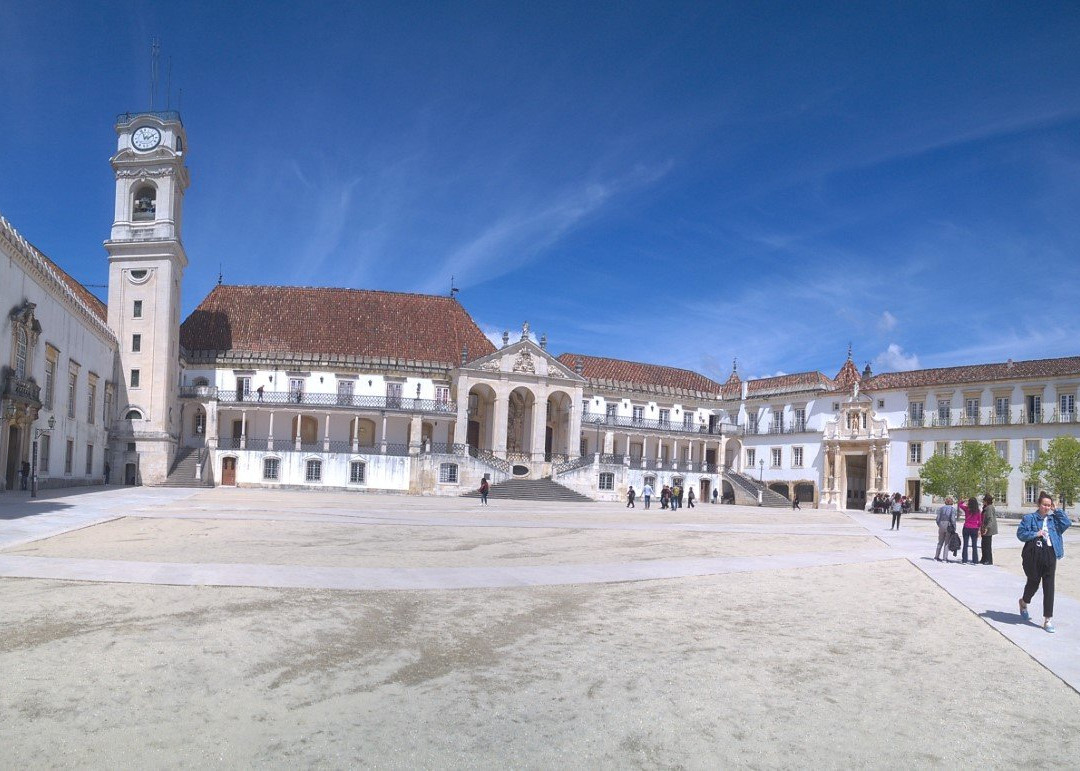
[(646, 493)]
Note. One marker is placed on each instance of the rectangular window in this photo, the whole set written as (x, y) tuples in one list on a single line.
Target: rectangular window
[(136, 343), (345, 391), (73, 379), (393, 394), (751, 457), (89, 459), (134, 378), (971, 411), (271, 469), (1034, 409), (313, 471), (358, 472), (944, 415), (915, 413), (1001, 410), (442, 396), (91, 402), (941, 448), (43, 454), (1066, 407), (1031, 450), (69, 456), (800, 419), (776, 456), (448, 473), (688, 421), (1002, 448), (243, 388), (585, 406), (1030, 491), (796, 457), (752, 422), (50, 382), (296, 390), (915, 453), (639, 414), (612, 410), (607, 481), (777, 426), (136, 309)]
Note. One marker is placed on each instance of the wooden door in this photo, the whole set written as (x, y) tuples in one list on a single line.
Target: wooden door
[(228, 471)]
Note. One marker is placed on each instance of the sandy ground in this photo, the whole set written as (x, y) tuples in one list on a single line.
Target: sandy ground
[(286, 543), (867, 665)]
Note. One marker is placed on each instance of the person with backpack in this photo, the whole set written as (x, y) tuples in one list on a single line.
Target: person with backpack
[(1041, 533), (897, 508), (946, 524)]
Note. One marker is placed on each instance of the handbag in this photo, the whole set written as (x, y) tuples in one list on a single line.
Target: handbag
[(954, 540), (1039, 553)]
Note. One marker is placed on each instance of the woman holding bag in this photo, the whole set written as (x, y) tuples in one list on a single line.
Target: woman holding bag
[(1041, 533)]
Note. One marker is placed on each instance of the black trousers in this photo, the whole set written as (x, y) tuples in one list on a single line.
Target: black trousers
[(895, 521), (987, 552), (1035, 575)]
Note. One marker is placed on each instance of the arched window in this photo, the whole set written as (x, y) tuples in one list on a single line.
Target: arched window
[(200, 422), (133, 415), (144, 204)]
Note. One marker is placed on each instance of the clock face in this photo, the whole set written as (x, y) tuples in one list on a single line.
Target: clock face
[(146, 138)]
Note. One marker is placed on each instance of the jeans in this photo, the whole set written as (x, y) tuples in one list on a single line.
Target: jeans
[(988, 555), (895, 521), (1034, 575), (971, 535), (647, 499)]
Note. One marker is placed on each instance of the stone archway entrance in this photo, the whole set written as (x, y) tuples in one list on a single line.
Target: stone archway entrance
[(855, 475), (11, 473)]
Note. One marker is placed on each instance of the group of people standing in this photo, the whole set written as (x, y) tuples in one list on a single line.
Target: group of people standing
[(1041, 533), (670, 497)]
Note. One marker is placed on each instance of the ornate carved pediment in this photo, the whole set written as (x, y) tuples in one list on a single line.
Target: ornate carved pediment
[(495, 365), (524, 362), (153, 173)]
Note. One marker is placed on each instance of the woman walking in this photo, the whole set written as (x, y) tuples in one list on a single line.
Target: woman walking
[(989, 529), (972, 526), (1041, 533)]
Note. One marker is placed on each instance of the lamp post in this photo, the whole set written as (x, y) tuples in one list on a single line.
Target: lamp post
[(33, 454)]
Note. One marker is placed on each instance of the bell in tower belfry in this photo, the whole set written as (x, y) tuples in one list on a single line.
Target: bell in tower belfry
[(146, 269)]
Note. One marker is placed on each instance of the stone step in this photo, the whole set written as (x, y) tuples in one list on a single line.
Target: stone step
[(545, 489)]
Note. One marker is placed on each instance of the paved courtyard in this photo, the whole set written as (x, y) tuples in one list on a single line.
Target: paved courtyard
[(159, 628)]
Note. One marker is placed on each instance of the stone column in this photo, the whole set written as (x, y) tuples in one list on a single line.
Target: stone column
[(296, 434), (212, 424), (415, 432), (243, 429), (502, 414), (675, 454), (573, 438), (270, 435), (539, 426), (326, 434), (356, 433), (461, 427), (382, 438)]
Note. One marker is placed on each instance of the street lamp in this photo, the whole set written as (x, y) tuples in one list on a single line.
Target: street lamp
[(33, 454)]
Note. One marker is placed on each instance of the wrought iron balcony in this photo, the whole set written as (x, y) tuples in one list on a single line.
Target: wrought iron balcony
[(21, 389), (642, 424), (336, 400)]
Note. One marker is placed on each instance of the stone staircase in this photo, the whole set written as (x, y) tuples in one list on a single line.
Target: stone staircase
[(182, 473), (746, 491), (544, 489)]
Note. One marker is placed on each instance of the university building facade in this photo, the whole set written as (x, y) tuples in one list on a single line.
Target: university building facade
[(393, 392)]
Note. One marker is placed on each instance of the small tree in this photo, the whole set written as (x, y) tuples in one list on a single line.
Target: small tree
[(975, 468), (1057, 469), (938, 476)]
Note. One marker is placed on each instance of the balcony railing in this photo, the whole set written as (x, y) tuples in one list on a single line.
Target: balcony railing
[(21, 389), (305, 399), (643, 424), (289, 445), (774, 430)]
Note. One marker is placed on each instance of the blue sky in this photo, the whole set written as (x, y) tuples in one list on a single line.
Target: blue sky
[(676, 183)]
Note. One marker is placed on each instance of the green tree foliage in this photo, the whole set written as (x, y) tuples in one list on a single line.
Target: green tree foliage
[(1057, 469), (970, 472)]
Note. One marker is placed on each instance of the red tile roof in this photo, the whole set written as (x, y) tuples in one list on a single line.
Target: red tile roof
[(976, 373), (798, 381), (732, 386), (847, 377), (636, 373), (341, 322), (96, 306)]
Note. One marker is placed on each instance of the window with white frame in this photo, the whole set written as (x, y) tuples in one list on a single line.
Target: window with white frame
[(585, 405), (345, 388), (751, 457), (915, 413), (358, 472), (776, 457), (942, 449), (1031, 450), (777, 420), (1001, 410), (915, 453), (136, 343), (612, 410), (797, 457), (89, 459), (448, 473), (69, 456), (43, 454), (296, 389), (50, 376), (393, 394), (800, 418), (1034, 408), (665, 417), (1031, 491), (688, 421), (971, 411), (1002, 449), (607, 481), (752, 422), (313, 471), (271, 469), (639, 413), (943, 412), (134, 378), (73, 379), (91, 399), (442, 396), (1066, 407), (136, 309), (243, 387)]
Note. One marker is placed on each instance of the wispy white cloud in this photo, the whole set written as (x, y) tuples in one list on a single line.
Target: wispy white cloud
[(887, 322)]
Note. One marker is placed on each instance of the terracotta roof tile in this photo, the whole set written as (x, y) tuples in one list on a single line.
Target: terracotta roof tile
[(636, 373), (847, 377), (342, 322), (732, 387), (798, 381), (976, 373)]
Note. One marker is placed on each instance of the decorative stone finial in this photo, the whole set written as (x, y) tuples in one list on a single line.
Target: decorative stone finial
[(579, 365), (464, 354), (525, 331), (506, 338), (543, 340)]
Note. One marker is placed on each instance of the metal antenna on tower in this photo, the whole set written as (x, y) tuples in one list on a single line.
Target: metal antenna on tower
[(219, 276), (155, 55), (168, 87), (453, 289)]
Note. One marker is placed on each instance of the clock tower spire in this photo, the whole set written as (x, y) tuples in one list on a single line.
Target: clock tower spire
[(146, 269)]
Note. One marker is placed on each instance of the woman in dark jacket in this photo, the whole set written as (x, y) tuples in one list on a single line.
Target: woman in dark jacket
[(1043, 547), (989, 529)]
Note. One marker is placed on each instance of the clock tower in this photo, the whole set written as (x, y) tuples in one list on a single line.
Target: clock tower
[(146, 268)]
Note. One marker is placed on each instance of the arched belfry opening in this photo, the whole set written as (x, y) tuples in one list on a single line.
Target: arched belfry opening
[(144, 202)]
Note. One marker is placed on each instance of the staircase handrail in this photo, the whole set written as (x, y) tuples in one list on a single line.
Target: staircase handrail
[(573, 463), (488, 457)]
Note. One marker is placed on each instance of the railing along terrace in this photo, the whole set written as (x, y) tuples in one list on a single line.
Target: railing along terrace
[(488, 457), (289, 445), (613, 459), (22, 389), (796, 428), (570, 465), (348, 401), (644, 424)]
